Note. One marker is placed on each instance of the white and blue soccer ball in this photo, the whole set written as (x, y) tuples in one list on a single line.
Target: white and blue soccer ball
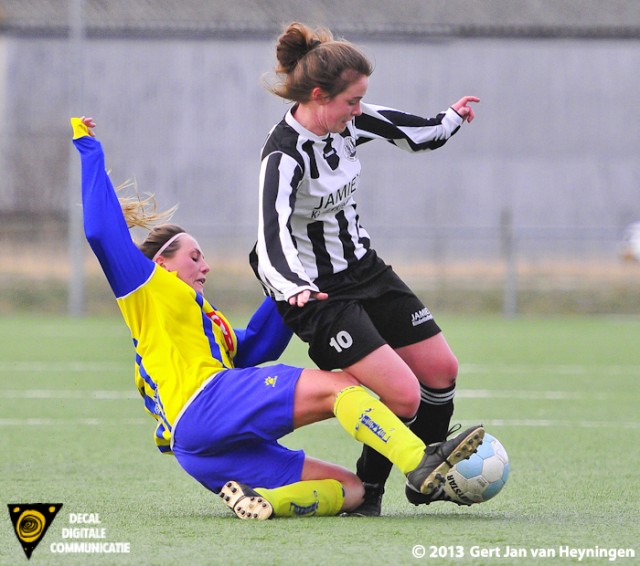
[(630, 247), (480, 477)]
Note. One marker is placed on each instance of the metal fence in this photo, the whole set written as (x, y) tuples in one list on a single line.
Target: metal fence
[(523, 211), (472, 270)]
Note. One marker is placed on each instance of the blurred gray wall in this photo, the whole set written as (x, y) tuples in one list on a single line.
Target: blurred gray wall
[(555, 140)]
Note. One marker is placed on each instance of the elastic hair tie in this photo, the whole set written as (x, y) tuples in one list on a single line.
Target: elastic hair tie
[(167, 244)]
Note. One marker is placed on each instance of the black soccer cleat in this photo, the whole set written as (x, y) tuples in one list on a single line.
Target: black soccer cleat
[(440, 457), (245, 502), (371, 506)]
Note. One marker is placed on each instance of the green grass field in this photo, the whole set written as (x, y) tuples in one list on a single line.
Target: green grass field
[(562, 394)]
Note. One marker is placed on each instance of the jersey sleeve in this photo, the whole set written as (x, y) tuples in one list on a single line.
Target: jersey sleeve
[(124, 265), (279, 263), (265, 337), (408, 132)]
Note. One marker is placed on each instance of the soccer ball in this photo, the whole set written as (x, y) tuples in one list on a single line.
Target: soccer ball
[(481, 477), (630, 248)]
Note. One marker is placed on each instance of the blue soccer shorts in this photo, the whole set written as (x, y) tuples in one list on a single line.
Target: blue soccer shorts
[(230, 430)]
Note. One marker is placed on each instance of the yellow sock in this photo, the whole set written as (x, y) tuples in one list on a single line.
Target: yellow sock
[(371, 422), (313, 498)]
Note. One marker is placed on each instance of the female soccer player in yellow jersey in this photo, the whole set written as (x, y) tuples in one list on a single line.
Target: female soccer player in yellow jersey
[(314, 256), (216, 412)]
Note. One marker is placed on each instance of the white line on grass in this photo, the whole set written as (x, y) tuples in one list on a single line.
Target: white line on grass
[(549, 423), (462, 394), (37, 367), (80, 332), (100, 395), (46, 422), (558, 369), (528, 395), (510, 423), (552, 369)]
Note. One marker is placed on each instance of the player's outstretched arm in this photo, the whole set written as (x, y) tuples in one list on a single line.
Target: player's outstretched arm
[(105, 227)]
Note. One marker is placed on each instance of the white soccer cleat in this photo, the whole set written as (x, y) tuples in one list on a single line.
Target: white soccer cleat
[(245, 502)]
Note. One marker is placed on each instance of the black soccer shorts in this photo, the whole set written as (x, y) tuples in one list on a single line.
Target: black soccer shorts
[(368, 306)]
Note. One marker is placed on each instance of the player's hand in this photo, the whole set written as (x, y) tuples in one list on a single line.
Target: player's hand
[(89, 123), (462, 108), (302, 298)]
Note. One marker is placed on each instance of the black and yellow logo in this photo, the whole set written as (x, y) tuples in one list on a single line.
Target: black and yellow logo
[(31, 521)]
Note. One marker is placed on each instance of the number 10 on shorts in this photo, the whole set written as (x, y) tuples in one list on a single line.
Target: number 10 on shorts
[(341, 341)]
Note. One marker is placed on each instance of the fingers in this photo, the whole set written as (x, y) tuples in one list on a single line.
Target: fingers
[(470, 115), (462, 103), (305, 296), (300, 299), (466, 99), (89, 123), (465, 111)]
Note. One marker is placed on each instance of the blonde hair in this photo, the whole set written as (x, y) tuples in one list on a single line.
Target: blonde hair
[(309, 58), (142, 212)]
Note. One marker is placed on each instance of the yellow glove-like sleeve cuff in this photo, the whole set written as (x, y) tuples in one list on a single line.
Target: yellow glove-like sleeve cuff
[(79, 129)]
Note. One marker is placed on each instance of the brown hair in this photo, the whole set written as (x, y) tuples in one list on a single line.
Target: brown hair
[(142, 212), (313, 58)]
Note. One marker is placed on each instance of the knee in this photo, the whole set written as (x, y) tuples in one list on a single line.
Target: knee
[(449, 370), (353, 492), (406, 408), (402, 396), (442, 372), (403, 401)]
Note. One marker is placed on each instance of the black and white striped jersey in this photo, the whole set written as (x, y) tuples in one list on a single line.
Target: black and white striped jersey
[(308, 224)]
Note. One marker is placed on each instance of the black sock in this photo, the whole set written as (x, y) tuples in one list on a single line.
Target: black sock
[(372, 467), (434, 414)]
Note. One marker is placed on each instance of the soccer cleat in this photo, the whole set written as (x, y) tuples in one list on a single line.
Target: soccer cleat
[(372, 503), (245, 502), (440, 457), (439, 494)]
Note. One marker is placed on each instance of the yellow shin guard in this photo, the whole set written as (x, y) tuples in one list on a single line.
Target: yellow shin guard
[(313, 498), (371, 422)]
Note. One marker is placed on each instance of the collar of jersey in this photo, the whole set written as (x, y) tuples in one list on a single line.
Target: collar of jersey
[(298, 127)]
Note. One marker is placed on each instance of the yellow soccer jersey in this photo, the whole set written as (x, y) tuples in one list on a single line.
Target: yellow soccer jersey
[(180, 341)]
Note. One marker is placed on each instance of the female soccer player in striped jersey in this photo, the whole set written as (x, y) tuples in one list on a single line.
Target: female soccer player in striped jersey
[(218, 414), (314, 256)]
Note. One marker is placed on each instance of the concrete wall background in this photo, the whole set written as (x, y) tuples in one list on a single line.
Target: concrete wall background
[(555, 139)]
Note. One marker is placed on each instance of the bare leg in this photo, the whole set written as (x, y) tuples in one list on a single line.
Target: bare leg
[(436, 367), (391, 378), (431, 361)]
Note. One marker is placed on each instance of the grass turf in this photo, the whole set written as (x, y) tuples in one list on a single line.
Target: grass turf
[(560, 393)]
